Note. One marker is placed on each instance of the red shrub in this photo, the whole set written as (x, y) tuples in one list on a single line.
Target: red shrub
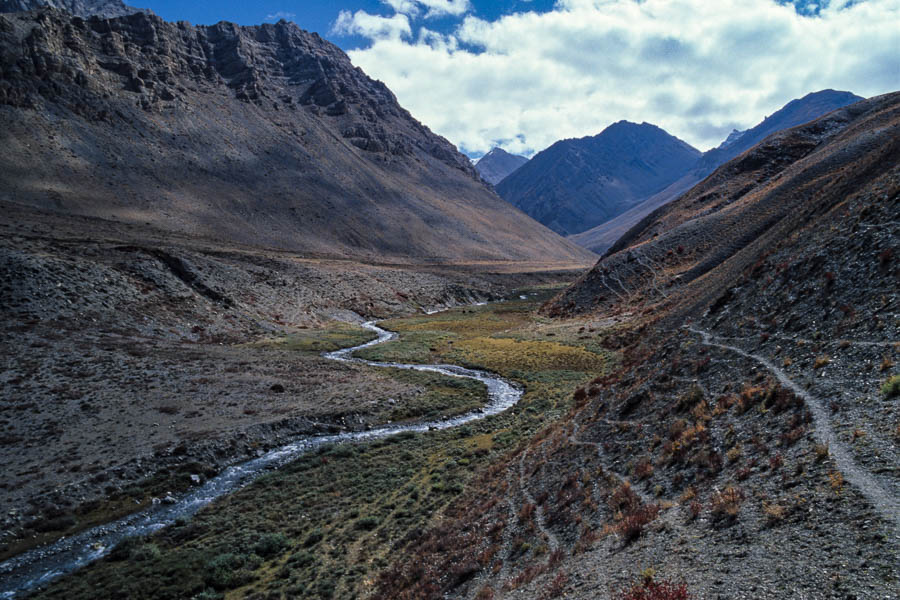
[(650, 590)]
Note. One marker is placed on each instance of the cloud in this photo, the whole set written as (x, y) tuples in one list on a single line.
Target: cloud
[(287, 16), (372, 26), (696, 68), (434, 8)]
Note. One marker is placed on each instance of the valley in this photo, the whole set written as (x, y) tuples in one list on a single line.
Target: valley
[(268, 336)]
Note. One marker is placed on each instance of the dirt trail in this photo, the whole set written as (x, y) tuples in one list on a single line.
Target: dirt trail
[(538, 511), (886, 503)]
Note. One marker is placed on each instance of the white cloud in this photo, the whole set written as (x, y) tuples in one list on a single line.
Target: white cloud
[(372, 26), (406, 7), (280, 15), (437, 8), (434, 8), (694, 67)]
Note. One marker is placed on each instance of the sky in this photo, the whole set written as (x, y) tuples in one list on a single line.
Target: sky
[(522, 74)]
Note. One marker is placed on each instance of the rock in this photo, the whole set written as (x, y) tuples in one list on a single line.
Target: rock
[(169, 499), (277, 388), (195, 479)]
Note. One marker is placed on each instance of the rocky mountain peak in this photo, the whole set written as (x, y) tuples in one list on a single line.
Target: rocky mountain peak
[(106, 9), (498, 164), (576, 184), (274, 66)]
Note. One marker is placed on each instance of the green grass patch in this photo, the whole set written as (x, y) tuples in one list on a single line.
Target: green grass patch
[(334, 336)]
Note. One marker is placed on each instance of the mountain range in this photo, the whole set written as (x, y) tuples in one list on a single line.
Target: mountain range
[(266, 136), (690, 251), (612, 216), (498, 164), (106, 9)]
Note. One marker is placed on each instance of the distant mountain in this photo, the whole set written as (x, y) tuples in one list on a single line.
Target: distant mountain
[(796, 112), (577, 184), (266, 136), (693, 249), (80, 8), (497, 164), (732, 138)]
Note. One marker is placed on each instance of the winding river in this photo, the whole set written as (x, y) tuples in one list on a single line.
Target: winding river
[(38, 566)]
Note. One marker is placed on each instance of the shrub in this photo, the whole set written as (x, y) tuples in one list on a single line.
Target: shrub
[(485, 593), (643, 469), (891, 387), (229, 571), (368, 523), (270, 544), (632, 525), (651, 590), (821, 361), (726, 505), (774, 512), (314, 537)]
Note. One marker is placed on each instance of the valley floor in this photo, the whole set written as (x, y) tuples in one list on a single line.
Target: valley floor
[(137, 362)]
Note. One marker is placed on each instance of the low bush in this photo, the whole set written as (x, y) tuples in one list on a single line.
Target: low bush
[(891, 387), (652, 590)]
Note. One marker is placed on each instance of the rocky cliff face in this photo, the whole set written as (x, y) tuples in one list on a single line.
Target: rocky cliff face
[(577, 184), (498, 164), (262, 135), (106, 9)]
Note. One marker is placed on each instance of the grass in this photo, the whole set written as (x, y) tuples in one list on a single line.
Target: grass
[(333, 336), (327, 524)]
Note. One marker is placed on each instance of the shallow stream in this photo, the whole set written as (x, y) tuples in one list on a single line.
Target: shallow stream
[(38, 566)]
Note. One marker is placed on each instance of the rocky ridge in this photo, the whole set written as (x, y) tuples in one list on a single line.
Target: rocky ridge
[(263, 135), (796, 112), (106, 9)]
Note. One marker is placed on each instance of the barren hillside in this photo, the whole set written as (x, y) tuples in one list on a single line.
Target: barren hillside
[(264, 135)]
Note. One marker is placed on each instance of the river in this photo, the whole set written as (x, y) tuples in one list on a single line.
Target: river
[(40, 565)]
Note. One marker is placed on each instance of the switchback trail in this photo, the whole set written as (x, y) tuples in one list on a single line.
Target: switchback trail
[(40, 565)]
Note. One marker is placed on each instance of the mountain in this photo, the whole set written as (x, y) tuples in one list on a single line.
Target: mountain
[(753, 418), (692, 250), (498, 164), (106, 9), (796, 112), (577, 184), (732, 138), (265, 136)]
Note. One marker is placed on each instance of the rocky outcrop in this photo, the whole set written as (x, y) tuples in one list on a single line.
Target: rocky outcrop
[(106, 9)]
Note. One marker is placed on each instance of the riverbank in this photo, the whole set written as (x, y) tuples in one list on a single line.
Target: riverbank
[(339, 511), (138, 362)]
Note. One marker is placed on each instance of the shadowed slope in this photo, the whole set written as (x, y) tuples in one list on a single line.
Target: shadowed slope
[(697, 245), (264, 135), (576, 184)]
